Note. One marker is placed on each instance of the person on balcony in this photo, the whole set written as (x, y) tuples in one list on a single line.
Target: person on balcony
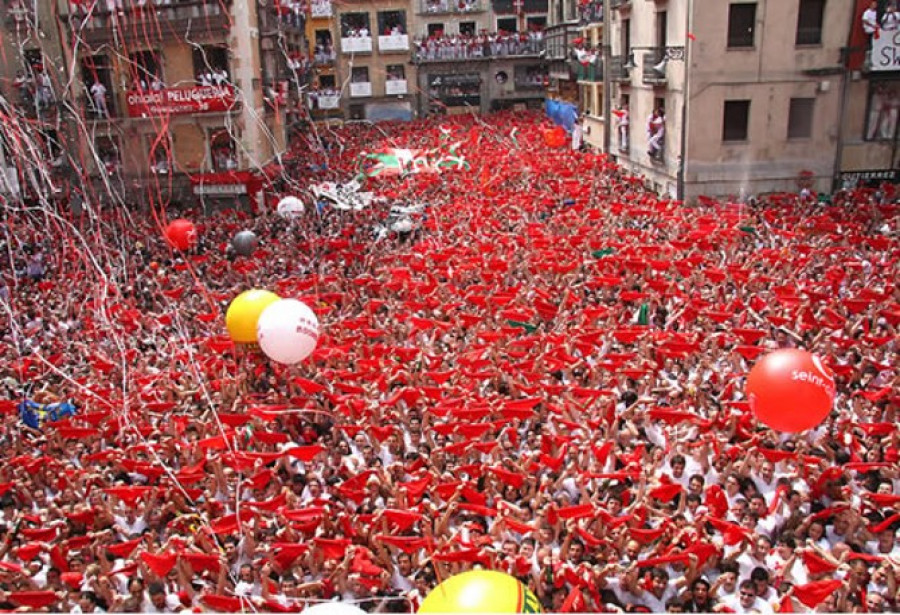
[(98, 95), (656, 134), (624, 125)]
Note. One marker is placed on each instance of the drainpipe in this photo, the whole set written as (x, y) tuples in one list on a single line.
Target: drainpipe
[(607, 83)]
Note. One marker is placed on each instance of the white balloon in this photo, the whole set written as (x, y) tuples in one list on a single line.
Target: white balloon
[(288, 331), (333, 608), (290, 206)]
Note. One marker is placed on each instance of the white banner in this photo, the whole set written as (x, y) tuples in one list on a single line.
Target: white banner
[(886, 51)]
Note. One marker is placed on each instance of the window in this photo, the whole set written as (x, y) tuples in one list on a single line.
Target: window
[(884, 106), (395, 72), (327, 82), (211, 64), (324, 50), (97, 77), (357, 112), (222, 151), (359, 74), (800, 118), (144, 70), (391, 22), (534, 6), (504, 6), (662, 24), (507, 24), (626, 37), (159, 154), (535, 24), (467, 28), (659, 104), (736, 120), (741, 25), (436, 29), (355, 24), (809, 22), (107, 149)]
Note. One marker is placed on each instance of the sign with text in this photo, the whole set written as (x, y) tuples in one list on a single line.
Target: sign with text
[(886, 51), (180, 101)]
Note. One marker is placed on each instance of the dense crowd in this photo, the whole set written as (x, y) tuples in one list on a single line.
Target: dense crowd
[(544, 377)]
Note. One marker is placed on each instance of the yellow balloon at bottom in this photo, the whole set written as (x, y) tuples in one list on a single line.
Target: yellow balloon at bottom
[(244, 311), (481, 591)]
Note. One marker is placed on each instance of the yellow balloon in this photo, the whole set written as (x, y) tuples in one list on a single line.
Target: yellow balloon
[(244, 311), (481, 591)]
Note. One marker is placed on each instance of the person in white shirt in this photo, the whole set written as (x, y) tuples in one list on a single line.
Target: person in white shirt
[(747, 601), (98, 95), (870, 19)]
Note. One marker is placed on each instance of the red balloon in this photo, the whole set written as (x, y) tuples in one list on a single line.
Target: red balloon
[(790, 390), (181, 234)]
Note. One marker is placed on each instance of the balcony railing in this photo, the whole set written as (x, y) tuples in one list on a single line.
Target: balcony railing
[(395, 87), (393, 42), (356, 44), (320, 8), (654, 67), (361, 89), (592, 72), (470, 49), (324, 58), (619, 71), (203, 19), (439, 7), (325, 102)]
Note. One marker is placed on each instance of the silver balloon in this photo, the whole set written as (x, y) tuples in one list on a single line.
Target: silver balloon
[(244, 243)]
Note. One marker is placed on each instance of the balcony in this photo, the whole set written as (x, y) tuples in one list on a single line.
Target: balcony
[(619, 69), (320, 9), (324, 58), (619, 4), (393, 43), (361, 89), (588, 73), (328, 101), (200, 20), (395, 87), (654, 67), (432, 50), (356, 44), (557, 40), (591, 13), (445, 7)]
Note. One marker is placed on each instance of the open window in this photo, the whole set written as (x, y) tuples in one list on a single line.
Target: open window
[(211, 65), (391, 22), (222, 151)]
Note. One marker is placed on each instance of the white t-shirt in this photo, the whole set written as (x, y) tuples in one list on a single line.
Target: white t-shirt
[(870, 21)]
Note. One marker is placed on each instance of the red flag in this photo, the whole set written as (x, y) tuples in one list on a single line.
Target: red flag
[(124, 549), (202, 561), (579, 511), (305, 453), (665, 493), (222, 604), (160, 564), (816, 564), (407, 544), (332, 548), (511, 478), (403, 519), (813, 594), (33, 599), (287, 552)]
